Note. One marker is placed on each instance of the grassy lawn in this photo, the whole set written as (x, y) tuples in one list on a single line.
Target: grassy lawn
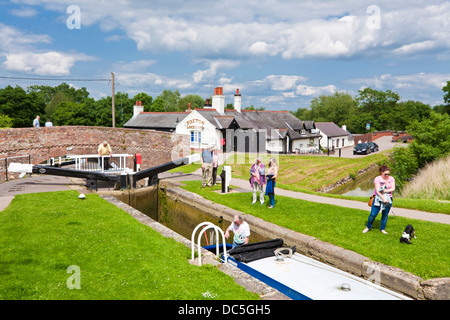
[(306, 172), (428, 256), (41, 235), (309, 173)]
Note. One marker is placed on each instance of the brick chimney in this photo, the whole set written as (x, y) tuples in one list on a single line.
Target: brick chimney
[(138, 108), (218, 100), (237, 101)]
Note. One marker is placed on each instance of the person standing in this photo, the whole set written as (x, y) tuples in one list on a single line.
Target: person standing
[(258, 179), (241, 231), (36, 123), (49, 123), (272, 173), (105, 152), (207, 166), (215, 166), (384, 186)]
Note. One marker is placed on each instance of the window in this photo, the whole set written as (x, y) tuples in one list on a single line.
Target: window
[(196, 137)]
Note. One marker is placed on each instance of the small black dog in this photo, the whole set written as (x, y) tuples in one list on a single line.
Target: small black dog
[(408, 234)]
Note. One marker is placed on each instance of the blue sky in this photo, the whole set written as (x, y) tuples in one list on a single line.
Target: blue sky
[(281, 54)]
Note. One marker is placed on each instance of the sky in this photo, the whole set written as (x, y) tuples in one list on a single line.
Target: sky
[(280, 54)]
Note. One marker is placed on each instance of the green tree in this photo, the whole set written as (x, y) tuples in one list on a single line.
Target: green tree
[(380, 105), (5, 121), (195, 100), (71, 114), (404, 165), (170, 100), (71, 93), (20, 106), (408, 111), (59, 97), (252, 107), (158, 105), (444, 108), (146, 100), (446, 90), (335, 108), (356, 123), (303, 114), (431, 138)]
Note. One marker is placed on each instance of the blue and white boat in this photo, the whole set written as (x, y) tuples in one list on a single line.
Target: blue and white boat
[(302, 278)]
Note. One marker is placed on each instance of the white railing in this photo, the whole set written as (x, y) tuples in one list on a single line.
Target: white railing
[(206, 226), (116, 163)]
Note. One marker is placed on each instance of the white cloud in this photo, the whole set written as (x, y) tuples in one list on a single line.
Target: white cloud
[(420, 81), (425, 87), (217, 37), (213, 68), (50, 63), (151, 80), (304, 90), (133, 66), (291, 29), (13, 39), (21, 55), (24, 12), (283, 82)]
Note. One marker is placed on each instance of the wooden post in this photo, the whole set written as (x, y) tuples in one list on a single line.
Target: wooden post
[(113, 103)]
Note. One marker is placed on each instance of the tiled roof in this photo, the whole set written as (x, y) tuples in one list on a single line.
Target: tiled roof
[(283, 121), (331, 129), (156, 120)]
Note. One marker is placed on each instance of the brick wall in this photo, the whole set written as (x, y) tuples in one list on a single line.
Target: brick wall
[(41, 144)]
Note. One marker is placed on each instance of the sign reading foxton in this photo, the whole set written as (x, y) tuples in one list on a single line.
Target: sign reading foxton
[(195, 124)]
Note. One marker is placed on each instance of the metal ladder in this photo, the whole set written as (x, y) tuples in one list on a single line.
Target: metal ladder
[(207, 226)]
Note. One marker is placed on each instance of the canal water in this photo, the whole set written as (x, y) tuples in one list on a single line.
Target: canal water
[(178, 216), (362, 186)]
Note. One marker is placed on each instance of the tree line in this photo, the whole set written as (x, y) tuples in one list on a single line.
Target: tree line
[(430, 126), (66, 105), (382, 109)]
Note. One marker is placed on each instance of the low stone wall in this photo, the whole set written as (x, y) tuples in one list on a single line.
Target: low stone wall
[(346, 260), (247, 281)]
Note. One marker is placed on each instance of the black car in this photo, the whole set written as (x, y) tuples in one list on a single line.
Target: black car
[(373, 147), (362, 148)]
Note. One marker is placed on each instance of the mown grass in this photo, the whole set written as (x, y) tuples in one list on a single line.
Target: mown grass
[(41, 235), (428, 256), (307, 172), (302, 165)]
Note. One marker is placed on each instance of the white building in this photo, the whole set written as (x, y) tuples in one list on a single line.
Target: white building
[(333, 137), (235, 129)]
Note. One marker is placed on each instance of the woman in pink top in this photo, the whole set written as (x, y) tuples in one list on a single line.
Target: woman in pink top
[(384, 186)]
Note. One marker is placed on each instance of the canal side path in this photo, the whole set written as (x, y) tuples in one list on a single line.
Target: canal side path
[(47, 183), (244, 186), (51, 183)]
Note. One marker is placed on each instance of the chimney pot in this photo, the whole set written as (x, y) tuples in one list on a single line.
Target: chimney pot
[(218, 100), (237, 101)]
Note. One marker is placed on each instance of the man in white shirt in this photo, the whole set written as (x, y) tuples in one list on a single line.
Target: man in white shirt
[(36, 122), (241, 231)]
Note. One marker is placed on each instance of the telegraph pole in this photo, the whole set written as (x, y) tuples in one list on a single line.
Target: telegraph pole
[(113, 103)]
